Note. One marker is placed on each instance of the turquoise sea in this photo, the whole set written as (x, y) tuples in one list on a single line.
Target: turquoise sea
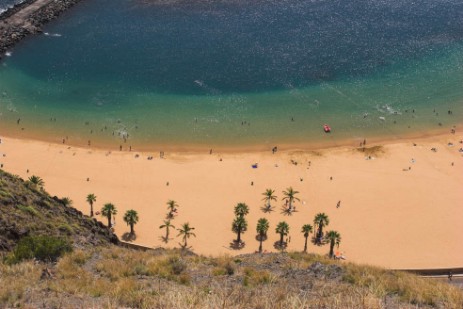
[(234, 73)]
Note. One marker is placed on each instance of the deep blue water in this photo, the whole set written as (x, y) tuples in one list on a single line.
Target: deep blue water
[(158, 64), (236, 46)]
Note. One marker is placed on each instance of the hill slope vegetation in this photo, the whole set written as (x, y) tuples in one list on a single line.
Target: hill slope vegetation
[(93, 272)]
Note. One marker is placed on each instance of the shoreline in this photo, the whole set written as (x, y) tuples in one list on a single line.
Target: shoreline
[(383, 212), (254, 148)]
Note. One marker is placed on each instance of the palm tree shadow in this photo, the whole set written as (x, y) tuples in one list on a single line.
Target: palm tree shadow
[(286, 212), (266, 209), (264, 238), (319, 241), (164, 239), (129, 237), (280, 246), (184, 248), (237, 245)]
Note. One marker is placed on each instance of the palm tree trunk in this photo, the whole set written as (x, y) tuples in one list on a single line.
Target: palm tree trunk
[(319, 234), (305, 244), (167, 234), (91, 209), (185, 244), (131, 229), (260, 242), (109, 220), (331, 249), (238, 239), (281, 239)]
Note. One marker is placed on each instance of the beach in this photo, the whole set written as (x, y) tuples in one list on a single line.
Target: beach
[(400, 203)]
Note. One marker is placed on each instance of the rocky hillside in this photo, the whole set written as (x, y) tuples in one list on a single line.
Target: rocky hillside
[(94, 273), (26, 210)]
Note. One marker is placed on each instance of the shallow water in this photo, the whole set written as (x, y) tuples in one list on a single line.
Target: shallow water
[(216, 73)]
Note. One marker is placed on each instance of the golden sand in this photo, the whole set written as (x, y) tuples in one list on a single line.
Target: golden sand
[(403, 208)]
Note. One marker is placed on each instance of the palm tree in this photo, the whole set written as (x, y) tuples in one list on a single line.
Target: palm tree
[(131, 218), (66, 201), (186, 231), (290, 197), (172, 206), (262, 228), (91, 198), (306, 229), (268, 197), (282, 229), (241, 209), (335, 239), (167, 225), (37, 181), (108, 211), (239, 226), (321, 220)]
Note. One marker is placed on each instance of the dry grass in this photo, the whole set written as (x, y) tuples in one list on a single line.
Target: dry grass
[(117, 277), (409, 288)]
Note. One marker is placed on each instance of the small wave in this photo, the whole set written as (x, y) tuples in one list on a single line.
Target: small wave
[(53, 34), (8, 5), (390, 110), (386, 109), (8, 54), (206, 87), (11, 108)]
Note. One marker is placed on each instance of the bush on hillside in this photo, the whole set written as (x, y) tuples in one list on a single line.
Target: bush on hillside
[(42, 248)]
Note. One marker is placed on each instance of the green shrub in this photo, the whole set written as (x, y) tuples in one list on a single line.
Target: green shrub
[(29, 209), (65, 228), (42, 248)]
